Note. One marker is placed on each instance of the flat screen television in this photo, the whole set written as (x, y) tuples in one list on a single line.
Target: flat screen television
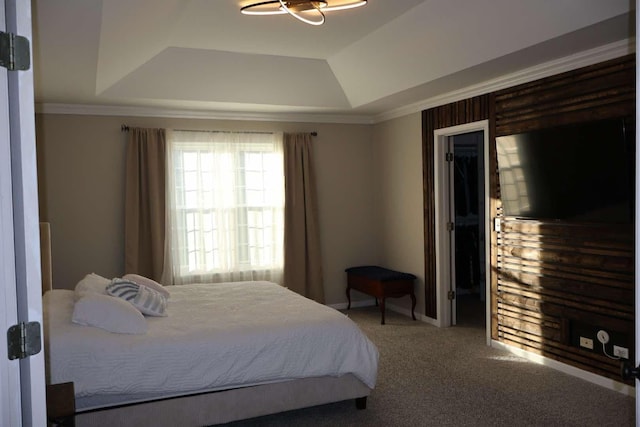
[(577, 173)]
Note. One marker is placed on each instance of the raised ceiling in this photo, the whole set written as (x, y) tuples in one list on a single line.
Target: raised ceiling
[(204, 55)]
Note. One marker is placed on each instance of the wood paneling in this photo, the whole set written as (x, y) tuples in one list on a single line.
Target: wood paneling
[(550, 281), (600, 91), (553, 274), (553, 282), (456, 113)]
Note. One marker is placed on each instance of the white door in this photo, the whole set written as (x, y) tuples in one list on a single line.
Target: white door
[(445, 254), (10, 414), (451, 214), (22, 388)]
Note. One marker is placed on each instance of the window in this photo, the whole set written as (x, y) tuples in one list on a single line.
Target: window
[(227, 206)]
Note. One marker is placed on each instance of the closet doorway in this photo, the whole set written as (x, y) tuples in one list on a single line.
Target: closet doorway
[(462, 225), (468, 219)]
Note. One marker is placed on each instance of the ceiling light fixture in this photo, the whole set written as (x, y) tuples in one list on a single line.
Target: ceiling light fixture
[(308, 11)]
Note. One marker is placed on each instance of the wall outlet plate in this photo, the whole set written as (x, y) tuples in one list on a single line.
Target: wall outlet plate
[(586, 343), (603, 336), (621, 352)]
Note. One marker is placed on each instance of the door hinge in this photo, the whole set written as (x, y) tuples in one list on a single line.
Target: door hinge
[(448, 157), (451, 226), (15, 53), (23, 340), (451, 295)]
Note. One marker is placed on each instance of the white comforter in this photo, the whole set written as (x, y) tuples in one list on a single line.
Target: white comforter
[(215, 336)]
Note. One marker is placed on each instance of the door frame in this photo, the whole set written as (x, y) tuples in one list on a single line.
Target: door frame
[(24, 396), (442, 241), (10, 401)]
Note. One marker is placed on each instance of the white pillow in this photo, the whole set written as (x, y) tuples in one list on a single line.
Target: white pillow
[(108, 313), (149, 283), (91, 283), (146, 300)]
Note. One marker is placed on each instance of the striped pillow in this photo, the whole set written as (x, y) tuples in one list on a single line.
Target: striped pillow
[(146, 300), (149, 283)]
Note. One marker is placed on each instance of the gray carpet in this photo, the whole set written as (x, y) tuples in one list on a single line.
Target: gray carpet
[(432, 376)]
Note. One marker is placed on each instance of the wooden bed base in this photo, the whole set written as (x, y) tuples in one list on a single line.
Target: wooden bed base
[(230, 405)]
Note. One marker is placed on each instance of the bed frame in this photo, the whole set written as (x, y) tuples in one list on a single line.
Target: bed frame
[(230, 405), (217, 407)]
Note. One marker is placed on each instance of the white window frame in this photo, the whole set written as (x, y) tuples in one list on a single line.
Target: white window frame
[(239, 264)]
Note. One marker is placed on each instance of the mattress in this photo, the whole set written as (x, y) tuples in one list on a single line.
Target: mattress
[(215, 337)]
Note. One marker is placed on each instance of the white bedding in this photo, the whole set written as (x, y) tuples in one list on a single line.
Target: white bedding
[(215, 337)]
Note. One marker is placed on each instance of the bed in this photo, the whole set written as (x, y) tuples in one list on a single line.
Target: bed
[(224, 352)]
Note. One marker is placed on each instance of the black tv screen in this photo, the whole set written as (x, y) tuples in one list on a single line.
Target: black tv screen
[(578, 173)]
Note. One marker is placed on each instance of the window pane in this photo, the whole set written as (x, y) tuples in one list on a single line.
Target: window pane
[(190, 161), (230, 194)]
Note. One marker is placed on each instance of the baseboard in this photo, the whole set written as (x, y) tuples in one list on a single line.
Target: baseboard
[(568, 369), (407, 312), (395, 308)]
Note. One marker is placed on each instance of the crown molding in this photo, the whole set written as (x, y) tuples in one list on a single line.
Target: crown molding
[(132, 111), (567, 63)]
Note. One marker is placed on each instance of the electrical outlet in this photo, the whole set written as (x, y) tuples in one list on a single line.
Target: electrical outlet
[(603, 336), (586, 343), (621, 352)]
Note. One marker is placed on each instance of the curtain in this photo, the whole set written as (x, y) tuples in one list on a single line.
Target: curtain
[(226, 197), (145, 202), (302, 259)]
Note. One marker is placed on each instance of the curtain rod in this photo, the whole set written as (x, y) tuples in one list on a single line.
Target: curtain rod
[(125, 128), (232, 131)]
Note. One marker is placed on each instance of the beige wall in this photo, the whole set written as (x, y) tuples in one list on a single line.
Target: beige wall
[(398, 154), (81, 178), (81, 188)]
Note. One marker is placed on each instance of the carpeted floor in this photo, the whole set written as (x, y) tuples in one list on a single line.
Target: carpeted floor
[(432, 376)]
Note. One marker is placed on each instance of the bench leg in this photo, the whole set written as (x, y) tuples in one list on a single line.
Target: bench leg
[(349, 297)]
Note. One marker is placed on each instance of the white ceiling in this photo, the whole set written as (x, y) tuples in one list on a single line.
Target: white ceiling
[(204, 55)]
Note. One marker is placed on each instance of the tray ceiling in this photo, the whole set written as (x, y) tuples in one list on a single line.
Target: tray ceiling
[(205, 55)]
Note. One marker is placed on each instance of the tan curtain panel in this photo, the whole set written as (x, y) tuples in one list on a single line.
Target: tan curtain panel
[(302, 259), (145, 202)]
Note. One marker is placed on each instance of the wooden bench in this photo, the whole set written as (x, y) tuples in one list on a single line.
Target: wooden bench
[(380, 283)]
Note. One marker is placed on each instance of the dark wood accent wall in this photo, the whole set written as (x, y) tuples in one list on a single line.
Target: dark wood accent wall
[(555, 282), (600, 91), (551, 282), (457, 113)]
